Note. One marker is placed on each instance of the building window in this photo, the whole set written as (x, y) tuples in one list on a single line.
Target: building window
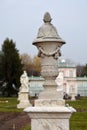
[(70, 73), (82, 89), (71, 90)]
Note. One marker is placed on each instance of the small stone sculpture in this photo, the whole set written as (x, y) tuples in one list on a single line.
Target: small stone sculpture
[(60, 80), (24, 92), (24, 82)]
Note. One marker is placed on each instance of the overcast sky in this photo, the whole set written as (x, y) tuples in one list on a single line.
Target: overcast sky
[(20, 20)]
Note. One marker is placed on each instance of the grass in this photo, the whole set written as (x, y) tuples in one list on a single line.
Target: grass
[(28, 127), (9, 105), (79, 104), (78, 120)]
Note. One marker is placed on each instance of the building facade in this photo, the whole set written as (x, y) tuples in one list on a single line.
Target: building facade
[(72, 85), (35, 85)]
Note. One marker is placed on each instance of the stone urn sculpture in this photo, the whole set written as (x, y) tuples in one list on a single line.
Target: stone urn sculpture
[(49, 43), (49, 112)]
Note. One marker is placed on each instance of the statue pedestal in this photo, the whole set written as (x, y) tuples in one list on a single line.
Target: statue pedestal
[(73, 97), (49, 118), (23, 100)]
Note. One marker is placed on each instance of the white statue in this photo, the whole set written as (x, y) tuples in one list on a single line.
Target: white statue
[(23, 95), (24, 82), (59, 80)]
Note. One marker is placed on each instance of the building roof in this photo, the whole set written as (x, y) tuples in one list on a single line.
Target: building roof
[(82, 78), (36, 78), (66, 63)]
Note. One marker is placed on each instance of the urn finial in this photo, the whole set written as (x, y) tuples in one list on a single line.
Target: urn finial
[(47, 18)]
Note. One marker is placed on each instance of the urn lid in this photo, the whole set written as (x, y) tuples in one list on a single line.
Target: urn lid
[(47, 32)]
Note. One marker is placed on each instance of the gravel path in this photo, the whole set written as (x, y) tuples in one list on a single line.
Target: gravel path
[(13, 120)]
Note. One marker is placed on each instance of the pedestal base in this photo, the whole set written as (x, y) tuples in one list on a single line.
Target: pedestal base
[(73, 97), (23, 104), (49, 118), (23, 100)]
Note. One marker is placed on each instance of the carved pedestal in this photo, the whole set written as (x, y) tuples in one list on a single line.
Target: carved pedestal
[(49, 118)]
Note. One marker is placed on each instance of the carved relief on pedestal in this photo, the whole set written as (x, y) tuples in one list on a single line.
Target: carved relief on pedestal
[(49, 124), (49, 71), (42, 53), (49, 103)]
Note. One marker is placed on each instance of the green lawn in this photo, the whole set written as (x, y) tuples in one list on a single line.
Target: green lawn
[(28, 127), (78, 120), (9, 105), (79, 104)]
